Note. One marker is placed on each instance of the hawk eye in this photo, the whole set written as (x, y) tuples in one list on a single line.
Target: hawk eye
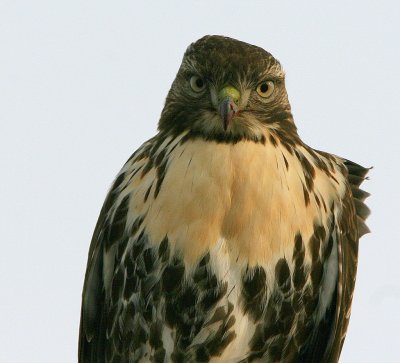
[(265, 89), (197, 83)]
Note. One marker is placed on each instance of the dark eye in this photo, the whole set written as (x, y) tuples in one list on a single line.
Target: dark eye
[(197, 83), (265, 89)]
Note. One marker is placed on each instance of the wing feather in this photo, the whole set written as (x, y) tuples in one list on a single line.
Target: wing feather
[(104, 311), (349, 227), (93, 323)]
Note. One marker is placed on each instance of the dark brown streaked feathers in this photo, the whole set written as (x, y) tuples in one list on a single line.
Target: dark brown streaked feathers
[(356, 175), (93, 325), (351, 230), (329, 337)]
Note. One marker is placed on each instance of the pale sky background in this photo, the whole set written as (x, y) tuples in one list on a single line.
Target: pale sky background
[(82, 84)]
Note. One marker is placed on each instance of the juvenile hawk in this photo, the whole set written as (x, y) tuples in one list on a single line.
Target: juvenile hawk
[(224, 238)]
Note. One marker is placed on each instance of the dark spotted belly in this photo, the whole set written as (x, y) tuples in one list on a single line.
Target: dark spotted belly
[(287, 311), (160, 310)]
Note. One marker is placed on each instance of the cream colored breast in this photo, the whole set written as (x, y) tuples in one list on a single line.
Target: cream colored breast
[(244, 193)]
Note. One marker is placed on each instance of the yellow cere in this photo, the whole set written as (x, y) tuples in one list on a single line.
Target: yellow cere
[(229, 91)]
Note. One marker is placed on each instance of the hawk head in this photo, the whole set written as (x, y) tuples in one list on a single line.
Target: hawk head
[(227, 90)]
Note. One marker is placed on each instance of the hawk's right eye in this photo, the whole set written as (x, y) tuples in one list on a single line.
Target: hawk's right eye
[(197, 83)]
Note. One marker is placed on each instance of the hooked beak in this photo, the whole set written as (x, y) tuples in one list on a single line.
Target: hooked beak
[(227, 107)]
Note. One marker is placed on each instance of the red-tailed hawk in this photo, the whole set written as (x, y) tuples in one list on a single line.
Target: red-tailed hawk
[(224, 238)]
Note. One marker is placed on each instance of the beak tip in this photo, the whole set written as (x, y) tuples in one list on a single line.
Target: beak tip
[(227, 109)]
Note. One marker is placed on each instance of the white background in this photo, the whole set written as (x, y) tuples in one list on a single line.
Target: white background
[(82, 84)]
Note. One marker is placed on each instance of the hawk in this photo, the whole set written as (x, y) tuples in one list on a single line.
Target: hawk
[(224, 238)]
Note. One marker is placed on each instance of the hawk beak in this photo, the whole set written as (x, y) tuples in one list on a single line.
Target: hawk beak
[(227, 107)]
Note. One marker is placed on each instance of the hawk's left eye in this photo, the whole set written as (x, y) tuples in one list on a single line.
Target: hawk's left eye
[(265, 89), (197, 83)]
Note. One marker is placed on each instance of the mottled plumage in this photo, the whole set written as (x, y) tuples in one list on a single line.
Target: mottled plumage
[(224, 238)]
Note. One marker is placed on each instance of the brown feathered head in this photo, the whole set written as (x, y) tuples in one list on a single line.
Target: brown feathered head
[(227, 90)]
